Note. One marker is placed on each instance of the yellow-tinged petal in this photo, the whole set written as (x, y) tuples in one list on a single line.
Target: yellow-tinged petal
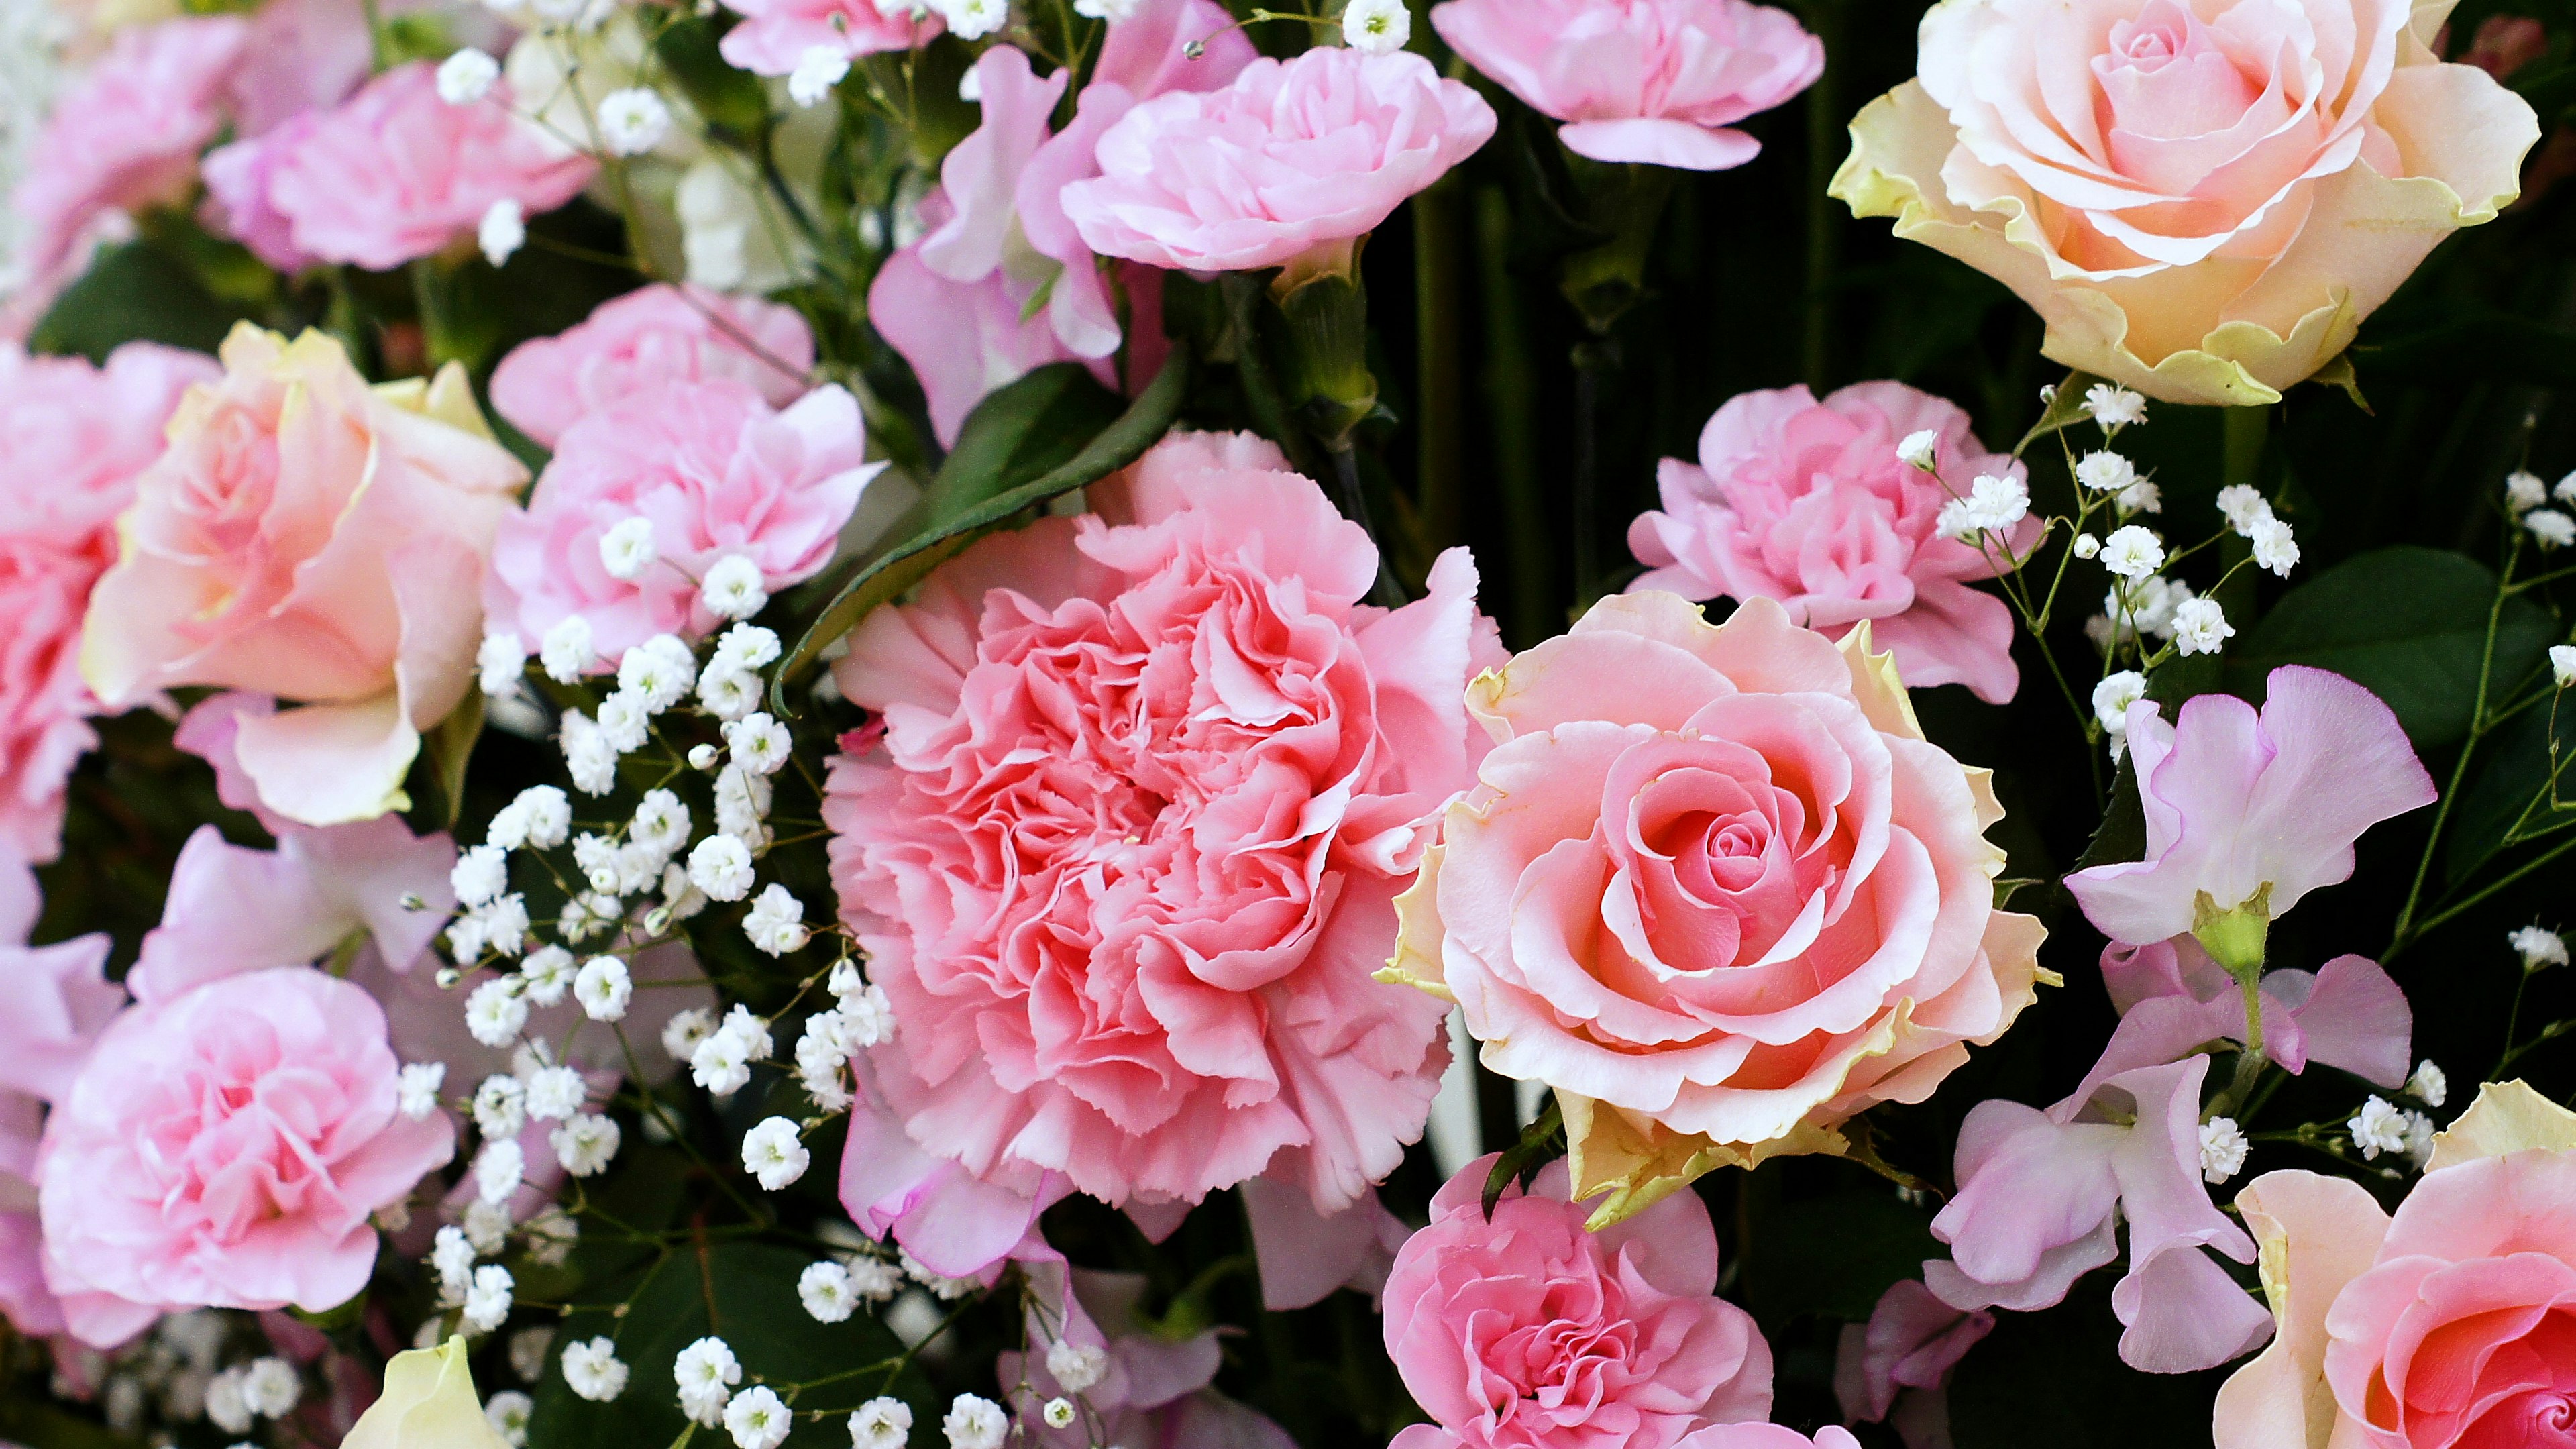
[(2506, 1117), (1638, 1162), (428, 1403)]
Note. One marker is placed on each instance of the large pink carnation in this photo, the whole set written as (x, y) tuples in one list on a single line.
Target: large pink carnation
[(1658, 81), (73, 436), (1524, 1331), (648, 337), (1807, 503), (719, 473), (125, 136), (1288, 158), (391, 174), (1150, 781)]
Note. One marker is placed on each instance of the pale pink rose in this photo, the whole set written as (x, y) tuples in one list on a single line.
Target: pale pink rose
[(2041, 1197), (224, 1147), (1715, 889), (721, 475), (2200, 203), (958, 303), (2172, 998), (1524, 1331), (2248, 811), (395, 172), (125, 135), (1807, 503), (2451, 1325), (775, 34), (1657, 81), (1288, 158), (85, 432), (650, 336), (1208, 769), (1154, 1391), (312, 538), (1896, 1367)]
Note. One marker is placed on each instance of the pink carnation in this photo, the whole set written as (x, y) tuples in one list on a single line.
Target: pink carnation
[(1288, 158), (59, 1001), (648, 337), (775, 34), (1807, 503), (719, 473), (1127, 854), (84, 432), (126, 136), (1658, 81), (395, 172), (1524, 1331), (224, 1147)]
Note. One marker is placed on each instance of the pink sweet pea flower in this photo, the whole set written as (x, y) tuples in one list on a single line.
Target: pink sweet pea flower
[(225, 1147), (2450, 1325), (719, 473), (2173, 998), (1151, 1391), (84, 432), (957, 302), (393, 173), (1894, 1367), (308, 536), (2041, 1197), (653, 335), (1289, 159), (1216, 767), (1525, 1329), (1807, 503), (126, 135), (2250, 812), (775, 34), (1306, 1255), (1658, 81)]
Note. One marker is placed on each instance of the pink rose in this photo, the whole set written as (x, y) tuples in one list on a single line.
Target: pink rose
[(395, 172), (1524, 1331), (650, 336), (1148, 784), (1287, 159), (1657, 81), (312, 538), (2202, 204), (86, 431), (961, 304), (2042, 1195), (126, 135), (2451, 1325), (1807, 503), (2246, 813), (1714, 888), (775, 34), (224, 1147), (718, 472)]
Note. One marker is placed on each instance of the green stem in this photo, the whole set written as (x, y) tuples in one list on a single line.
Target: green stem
[(1511, 401), (1825, 216), (2405, 931), (429, 295), (1591, 360), (1386, 593)]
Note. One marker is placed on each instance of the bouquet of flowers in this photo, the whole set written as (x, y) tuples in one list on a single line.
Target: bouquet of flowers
[(1150, 724)]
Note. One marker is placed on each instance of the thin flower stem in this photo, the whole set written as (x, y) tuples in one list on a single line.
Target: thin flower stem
[(2406, 931)]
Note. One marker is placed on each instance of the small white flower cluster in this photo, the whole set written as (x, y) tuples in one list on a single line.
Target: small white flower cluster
[(2111, 473), (833, 1288), (2381, 1126), (2524, 495), (264, 1388), (720, 1061), (2251, 516), (2113, 407), (861, 1018), (1376, 27), (2538, 946), (2222, 1149), (975, 1422), (2562, 664), (1993, 505), (966, 19), (2111, 700)]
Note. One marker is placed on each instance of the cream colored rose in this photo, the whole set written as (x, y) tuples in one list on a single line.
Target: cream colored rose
[(2201, 199), (428, 1403)]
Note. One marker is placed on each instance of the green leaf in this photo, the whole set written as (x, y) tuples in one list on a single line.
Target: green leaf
[(727, 97), (446, 748), (1542, 1142), (139, 291), (986, 481), (2407, 623), (2065, 409), (1834, 1257), (2122, 835), (744, 1293)]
